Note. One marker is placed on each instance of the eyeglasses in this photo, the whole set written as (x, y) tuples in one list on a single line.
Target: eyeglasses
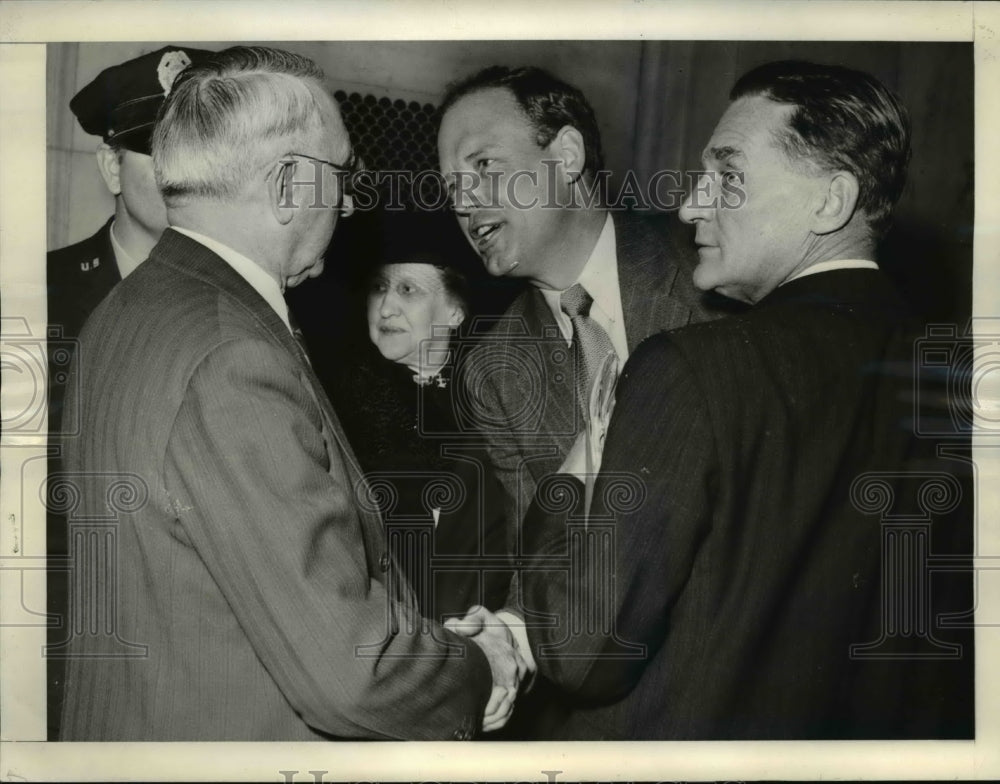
[(347, 172)]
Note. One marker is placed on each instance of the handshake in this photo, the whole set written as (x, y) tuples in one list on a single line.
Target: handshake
[(502, 638)]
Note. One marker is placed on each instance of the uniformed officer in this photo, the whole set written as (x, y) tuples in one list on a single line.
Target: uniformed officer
[(120, 106)]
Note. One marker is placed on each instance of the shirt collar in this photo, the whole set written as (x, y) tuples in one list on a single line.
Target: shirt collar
[(126, 264), (600, 274), (833, 264), (599, 277), (247, 269)]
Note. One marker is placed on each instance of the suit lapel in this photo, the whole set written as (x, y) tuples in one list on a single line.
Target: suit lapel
[(371, 522), (561, 418), (646, 278), (96, 281)]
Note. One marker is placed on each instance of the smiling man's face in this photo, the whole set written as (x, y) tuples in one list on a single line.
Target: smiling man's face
[(500, 180)]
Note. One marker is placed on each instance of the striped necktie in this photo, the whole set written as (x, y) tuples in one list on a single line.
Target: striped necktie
[(591, 343)]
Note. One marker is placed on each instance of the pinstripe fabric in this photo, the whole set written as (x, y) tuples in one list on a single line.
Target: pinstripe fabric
[(254, 571), (77, 278), (747, 572)]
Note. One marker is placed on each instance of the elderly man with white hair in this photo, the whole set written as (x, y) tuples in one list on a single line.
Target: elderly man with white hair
[(251, 574)]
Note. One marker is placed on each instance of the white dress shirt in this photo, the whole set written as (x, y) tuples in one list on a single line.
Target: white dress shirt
[(600, 279), (247, 269), (126, 264)]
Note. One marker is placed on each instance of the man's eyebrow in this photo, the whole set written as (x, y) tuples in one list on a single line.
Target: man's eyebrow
[(483, 149), (724, 154), (475, 151)]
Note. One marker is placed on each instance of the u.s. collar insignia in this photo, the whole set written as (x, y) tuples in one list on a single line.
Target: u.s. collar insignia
[(171, 64), (87, 266)]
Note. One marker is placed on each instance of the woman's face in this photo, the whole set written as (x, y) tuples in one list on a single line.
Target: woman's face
[(405, 302)]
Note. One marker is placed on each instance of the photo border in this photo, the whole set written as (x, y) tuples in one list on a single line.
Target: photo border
[(24, 29)]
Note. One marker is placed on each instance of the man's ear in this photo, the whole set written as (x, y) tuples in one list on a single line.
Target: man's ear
[(109, 167), (281, 198), (839, 201), (457, 315), (570, 150)]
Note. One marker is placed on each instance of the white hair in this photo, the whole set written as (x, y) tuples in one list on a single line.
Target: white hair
[(227, 118)]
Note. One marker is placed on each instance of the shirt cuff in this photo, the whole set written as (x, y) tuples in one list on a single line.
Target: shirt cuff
[(516, 625)]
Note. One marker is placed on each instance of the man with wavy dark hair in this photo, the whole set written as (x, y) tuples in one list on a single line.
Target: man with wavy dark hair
[(548, 103), (752, 590), (521, 152), (840, 119)]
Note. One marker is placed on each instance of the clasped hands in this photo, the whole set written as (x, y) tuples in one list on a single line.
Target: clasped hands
[(510, 662)]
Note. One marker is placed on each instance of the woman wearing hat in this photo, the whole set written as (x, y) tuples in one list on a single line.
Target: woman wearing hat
[(433, 481)]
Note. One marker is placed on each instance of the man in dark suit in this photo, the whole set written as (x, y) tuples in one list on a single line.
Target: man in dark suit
[(120, 106), (732, 580), (253, 595)]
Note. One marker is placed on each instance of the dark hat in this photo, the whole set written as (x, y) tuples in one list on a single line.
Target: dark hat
[(120, 105), (425, 237)]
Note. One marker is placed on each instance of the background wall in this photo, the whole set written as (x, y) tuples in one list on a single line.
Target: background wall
[(656, 102)]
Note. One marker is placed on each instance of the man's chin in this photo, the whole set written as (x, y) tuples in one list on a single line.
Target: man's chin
[(499, 267), (312, 272), (704, 280)]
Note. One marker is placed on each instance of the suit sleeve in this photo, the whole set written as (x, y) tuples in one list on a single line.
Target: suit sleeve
[(660, 440), (504, 453), (276, 525), (482, 376)]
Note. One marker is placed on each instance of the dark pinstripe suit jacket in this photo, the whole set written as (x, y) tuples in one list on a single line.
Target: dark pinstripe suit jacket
[(521, 381), (750, 569), (77, 278), (252, 573)]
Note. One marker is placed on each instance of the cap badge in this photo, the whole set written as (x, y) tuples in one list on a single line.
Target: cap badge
[(171, 64)]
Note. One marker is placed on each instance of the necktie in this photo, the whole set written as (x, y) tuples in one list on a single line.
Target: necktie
[(299, 338), (590, 342)]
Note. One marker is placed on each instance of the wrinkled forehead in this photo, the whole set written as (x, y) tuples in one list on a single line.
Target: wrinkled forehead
[(426, 276), (749, 125)]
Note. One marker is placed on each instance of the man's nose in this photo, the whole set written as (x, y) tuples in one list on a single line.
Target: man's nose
[(466, 193), (462, 204), (347, 206), (698, 203)]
